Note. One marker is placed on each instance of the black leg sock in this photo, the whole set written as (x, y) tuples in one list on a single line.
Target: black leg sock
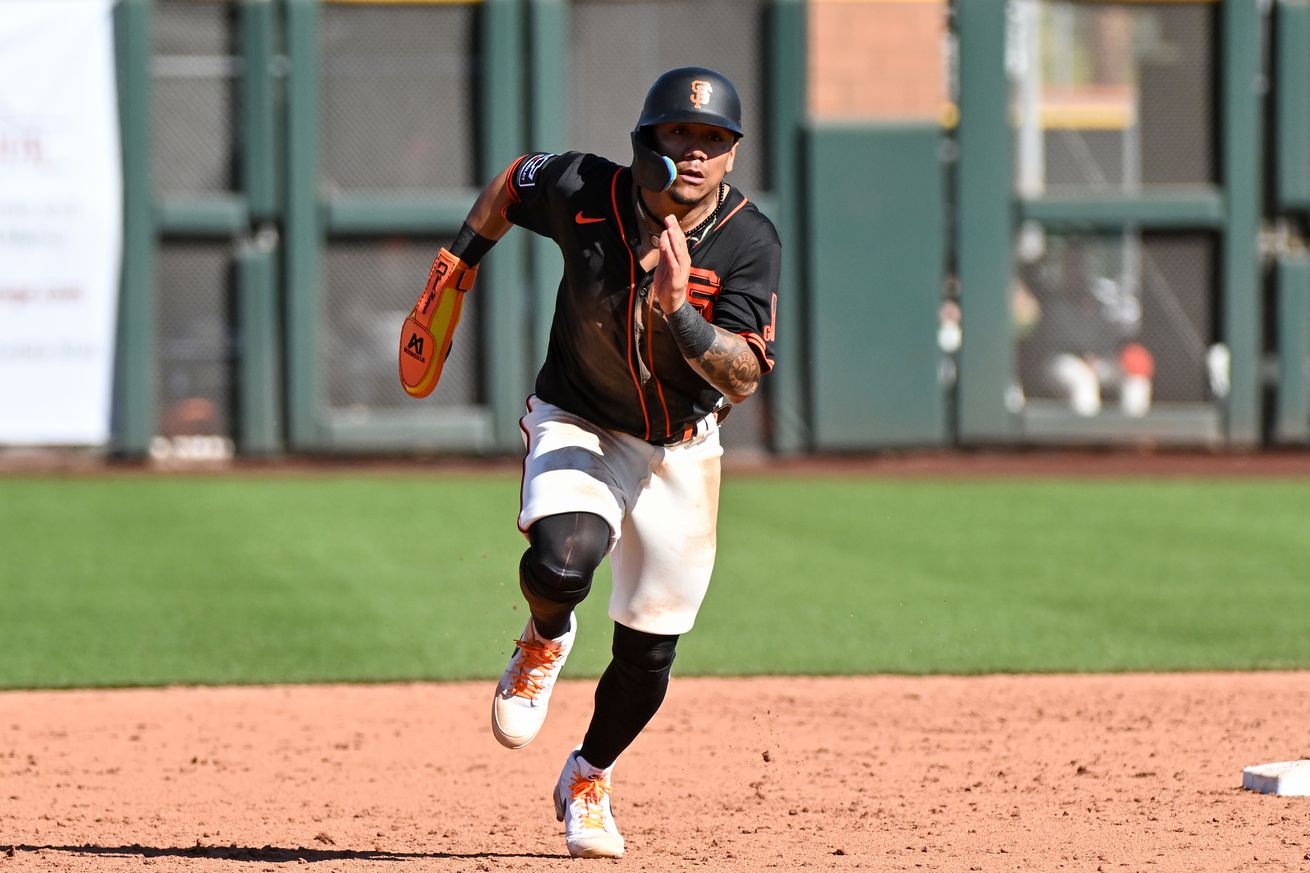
[(629, 693)]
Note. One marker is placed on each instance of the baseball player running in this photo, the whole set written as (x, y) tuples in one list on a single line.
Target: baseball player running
[(664, 317)]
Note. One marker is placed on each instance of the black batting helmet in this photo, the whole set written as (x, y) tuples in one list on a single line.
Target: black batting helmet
[(694, 94), (686, 94)]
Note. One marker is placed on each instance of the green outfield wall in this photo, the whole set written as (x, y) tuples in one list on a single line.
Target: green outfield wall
[(291, 167)]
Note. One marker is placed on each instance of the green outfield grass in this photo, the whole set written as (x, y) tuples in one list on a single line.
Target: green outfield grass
[(197, 579)]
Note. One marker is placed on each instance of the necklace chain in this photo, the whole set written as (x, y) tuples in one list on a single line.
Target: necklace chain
[(697, 233)]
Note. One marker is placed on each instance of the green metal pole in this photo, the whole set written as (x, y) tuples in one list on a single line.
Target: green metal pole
[(304, 228), (1292, 104), (984, 225), (1241, 177), (258, 377), (259, 108), (548, 130), (134, 372), (1293, 415), (787, 62), (1178, 208), (1291, 167), (503, 288)]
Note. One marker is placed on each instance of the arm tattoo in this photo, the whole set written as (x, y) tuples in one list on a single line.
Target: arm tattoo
[(730, 365)]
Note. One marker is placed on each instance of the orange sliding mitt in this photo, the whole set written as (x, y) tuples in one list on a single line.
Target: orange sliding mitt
[(425, 338)]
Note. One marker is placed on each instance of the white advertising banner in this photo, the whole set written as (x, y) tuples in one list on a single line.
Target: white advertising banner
[(60, 221)]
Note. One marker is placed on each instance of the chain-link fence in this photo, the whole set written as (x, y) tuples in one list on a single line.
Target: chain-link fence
[(399, 86), (1113, 103), (194, 315), (196, 68), (616, 50), (399, 116), (1112, 99), (1095, 310), (196, 75), (369, 286)]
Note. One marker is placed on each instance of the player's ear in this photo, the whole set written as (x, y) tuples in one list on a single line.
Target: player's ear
[(732, 157)]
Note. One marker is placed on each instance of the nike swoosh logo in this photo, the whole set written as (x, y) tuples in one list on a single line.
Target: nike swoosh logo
[(582, 219)]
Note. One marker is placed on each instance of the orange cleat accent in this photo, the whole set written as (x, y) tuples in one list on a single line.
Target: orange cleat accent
[(582, 802), (523, 694)]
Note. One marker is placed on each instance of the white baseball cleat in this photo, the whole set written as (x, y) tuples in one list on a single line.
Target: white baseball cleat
[(519, 708), (582, 802)]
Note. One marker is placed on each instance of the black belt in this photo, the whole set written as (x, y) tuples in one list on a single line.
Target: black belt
[(695, 430)]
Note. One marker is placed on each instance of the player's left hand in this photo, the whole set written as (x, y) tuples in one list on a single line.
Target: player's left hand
[(427, 333), (673, 272)]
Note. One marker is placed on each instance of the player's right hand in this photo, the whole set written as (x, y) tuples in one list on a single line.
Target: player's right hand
[(673, 272)]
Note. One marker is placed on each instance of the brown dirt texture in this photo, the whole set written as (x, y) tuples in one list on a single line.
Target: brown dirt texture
[(993, 773)]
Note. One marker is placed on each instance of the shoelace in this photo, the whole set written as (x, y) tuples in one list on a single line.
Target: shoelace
[(592, 792), (536, 658)]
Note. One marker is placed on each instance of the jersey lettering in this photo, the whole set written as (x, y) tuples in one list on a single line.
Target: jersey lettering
[(770, 329), (729, 284), (702, 287)]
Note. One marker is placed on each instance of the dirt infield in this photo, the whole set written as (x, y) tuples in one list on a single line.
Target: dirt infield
[(1001, 773)]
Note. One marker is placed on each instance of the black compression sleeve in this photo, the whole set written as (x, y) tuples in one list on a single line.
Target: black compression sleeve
[(693, 334), (469, 246)]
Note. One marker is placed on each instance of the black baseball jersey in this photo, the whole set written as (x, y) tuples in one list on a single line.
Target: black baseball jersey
[(612, 359)]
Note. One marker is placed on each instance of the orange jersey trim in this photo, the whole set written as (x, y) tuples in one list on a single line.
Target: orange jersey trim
[(728, 217), (650, 354), (509, 180), (632, 293), (756, 342)]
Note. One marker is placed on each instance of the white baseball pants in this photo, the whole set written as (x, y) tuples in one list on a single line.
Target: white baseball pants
[(661, 504)]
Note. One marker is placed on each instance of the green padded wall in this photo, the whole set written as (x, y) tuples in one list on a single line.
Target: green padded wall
[(877, 247)]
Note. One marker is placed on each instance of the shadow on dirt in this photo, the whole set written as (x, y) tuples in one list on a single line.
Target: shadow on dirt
[(267, 854)]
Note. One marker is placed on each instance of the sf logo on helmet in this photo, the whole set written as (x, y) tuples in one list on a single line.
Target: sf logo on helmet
[(701, 92)]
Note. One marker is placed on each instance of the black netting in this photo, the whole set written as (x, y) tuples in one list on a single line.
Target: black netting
[(195, 74), (194, 364), (1089, 301), (370, 286), (399, 97), (1114, 97)]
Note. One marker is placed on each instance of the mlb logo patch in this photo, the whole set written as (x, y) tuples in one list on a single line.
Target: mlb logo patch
[(527, 175)]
